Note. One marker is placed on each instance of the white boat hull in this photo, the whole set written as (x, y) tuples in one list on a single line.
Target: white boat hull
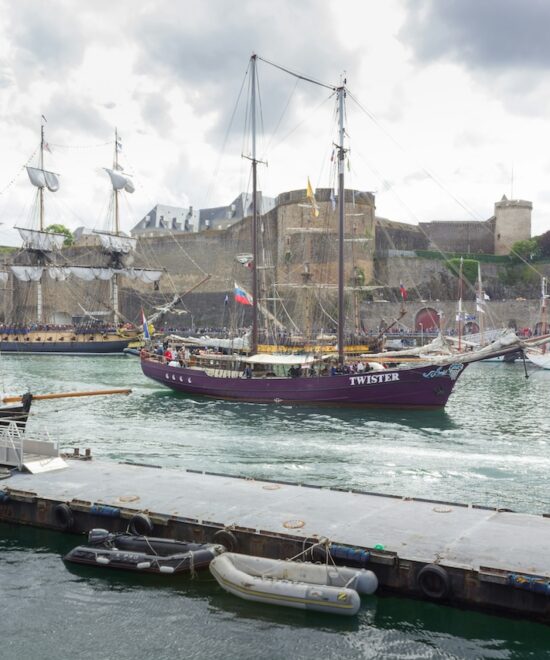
[(540, 359), (301, 585)]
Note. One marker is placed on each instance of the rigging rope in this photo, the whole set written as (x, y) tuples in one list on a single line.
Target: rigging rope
[(299, 75), (18, 174)]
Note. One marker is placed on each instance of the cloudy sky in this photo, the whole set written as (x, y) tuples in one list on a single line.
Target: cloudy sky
[(452, 111)]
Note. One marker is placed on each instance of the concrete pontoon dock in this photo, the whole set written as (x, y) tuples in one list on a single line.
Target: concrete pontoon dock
[(476, 556)]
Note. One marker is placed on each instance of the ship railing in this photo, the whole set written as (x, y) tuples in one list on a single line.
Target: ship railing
[(16, 445)]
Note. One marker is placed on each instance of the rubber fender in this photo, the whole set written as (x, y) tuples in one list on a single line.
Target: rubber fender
[(227, 539), (64, 516), (318, 554), (434, 582), (140, 525)]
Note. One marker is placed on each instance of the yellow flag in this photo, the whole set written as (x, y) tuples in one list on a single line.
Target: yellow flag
[(311, 197)]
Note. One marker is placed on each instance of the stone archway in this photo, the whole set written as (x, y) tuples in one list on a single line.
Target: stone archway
[(426, 320)]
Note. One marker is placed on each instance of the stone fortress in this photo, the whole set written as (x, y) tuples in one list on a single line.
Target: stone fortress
[(298, 252)]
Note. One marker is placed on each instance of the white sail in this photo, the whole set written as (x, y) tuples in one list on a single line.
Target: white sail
[(58, 273), (43, 179), (27, 273), (120, 180), (82, 273), (114, 243), (103, 273), (44, 241), (4, 276), (90, 273), (146, 276)]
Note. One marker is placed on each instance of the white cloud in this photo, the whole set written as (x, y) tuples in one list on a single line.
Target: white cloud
[(167, 75)]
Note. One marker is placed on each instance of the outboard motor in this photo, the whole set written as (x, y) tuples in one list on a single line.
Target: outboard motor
[(99, 536)]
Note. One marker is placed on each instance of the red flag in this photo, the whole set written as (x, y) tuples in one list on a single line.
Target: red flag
[(403, 291)]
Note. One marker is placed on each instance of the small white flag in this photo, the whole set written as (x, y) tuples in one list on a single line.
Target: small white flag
[(332, 199)]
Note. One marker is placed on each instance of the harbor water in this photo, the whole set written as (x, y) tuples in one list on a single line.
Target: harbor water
[(490, 446)]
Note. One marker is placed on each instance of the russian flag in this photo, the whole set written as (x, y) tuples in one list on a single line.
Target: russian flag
[(403, 291), (241, 296), (145, 325)]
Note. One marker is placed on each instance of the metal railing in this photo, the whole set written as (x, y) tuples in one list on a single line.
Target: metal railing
[(15, 443)]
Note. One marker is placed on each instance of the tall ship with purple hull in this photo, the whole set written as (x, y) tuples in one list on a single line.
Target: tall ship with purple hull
[(332, 379), (416, 387)]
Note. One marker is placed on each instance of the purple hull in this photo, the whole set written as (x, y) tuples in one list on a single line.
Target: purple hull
[(418, 387)]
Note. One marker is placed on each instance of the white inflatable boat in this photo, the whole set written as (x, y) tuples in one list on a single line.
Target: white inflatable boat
[(303, 585)]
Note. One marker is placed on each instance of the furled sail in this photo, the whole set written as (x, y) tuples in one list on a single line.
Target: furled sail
[(90, 273), (117, 243), (58, 273), (120, 180), (44, 241), (43, 179), (146, 276), (27, 273)]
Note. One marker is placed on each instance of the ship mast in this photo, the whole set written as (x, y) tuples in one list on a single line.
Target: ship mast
[(543, 311), (479, 306), (341, 92), (114, 281), (39, 303), (459, 316), (254, 338)]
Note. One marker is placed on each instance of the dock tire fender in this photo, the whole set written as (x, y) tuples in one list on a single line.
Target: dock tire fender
[(434, 582), (318, 554), (227, 539), (140, 525), (64, 516)]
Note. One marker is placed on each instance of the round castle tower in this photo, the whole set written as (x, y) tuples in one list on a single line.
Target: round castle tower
[(512, 223)]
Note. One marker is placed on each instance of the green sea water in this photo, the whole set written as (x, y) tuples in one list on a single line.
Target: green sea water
[(490, 446)]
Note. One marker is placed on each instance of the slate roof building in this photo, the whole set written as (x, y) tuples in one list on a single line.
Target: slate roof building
[(163, 219), (222, 217)]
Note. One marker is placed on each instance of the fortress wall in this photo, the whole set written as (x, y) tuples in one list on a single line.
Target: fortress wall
[(464, 236)]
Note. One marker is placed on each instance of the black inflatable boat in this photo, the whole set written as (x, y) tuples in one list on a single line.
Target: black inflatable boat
[(143, 553)]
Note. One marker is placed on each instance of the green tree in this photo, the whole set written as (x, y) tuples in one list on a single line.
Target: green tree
[(61, 229), (469, 268), (527, 249)]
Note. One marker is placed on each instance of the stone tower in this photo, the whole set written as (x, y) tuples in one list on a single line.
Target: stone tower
[(512, 223)]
